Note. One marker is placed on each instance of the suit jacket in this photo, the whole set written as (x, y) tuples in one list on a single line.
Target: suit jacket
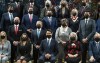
[(12, 36), (6, 50), (98, 26), (5, 21), (37, 40), (52, 49), (87, 30), (47, 25), (24, 50), (26, 22), (93, 51)]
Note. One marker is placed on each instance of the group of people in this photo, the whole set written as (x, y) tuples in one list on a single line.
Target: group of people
[(50, 31)]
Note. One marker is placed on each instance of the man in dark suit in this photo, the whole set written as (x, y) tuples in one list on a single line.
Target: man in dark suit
[(7, 19), (94, 49), (87, 30), (37, 36), (50, 22), (15, 31), (48, 49), (29, 20)]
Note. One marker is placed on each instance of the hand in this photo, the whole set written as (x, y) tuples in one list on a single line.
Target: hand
[(92, 59), (15, 43), (64, 43), (48, 56), (22, 57), (29, 30), (75, 55), (71, 56), (3, 55), (37, 46), (84, 40)]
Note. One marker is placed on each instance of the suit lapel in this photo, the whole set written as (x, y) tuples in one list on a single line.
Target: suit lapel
[(47, 21)]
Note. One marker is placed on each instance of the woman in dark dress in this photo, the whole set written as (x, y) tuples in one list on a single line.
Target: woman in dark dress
[(24, 49), (73, 50), (74, 20)]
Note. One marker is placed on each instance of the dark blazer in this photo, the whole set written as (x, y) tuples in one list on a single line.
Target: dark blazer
[(47, 25), (98, 26), (93, 51), (52, 49), (12, 36), (87, 30), (24, 51), (26, 22), (5, 21), (35, 39)]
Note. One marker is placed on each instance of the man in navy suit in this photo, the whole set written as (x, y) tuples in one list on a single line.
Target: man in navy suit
[(37, 36), (7, 19), (94, 49), (29, 20), (48, 49), (50, 22)]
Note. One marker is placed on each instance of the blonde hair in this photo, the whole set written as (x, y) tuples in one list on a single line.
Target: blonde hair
[(74, 10), (73, 33), (3, 32)]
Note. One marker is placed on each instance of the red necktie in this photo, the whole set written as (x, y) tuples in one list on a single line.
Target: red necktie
[(16, 29), (31, 18)]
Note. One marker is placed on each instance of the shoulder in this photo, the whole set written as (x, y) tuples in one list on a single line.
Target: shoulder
[(8, 42)]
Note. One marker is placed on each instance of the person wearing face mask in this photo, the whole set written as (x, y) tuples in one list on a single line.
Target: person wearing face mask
[(29, 20), (74, 20), (50, 22), (24, 49), (14, 33), (73, 49), (63, 11), (7, 19), (87, 29), (48, 49), (5, 48), (48, 6), (37, 36), (62, 37), (94, 49)]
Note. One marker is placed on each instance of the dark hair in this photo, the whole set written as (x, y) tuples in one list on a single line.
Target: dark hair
[(64, 20), (49, 30), (28, 39)]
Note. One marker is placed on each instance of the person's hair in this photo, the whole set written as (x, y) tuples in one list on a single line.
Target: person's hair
[(64, 20), (64, 2), (73, 33), (49, 30), (27, 41), (74, 11), (5, 36)]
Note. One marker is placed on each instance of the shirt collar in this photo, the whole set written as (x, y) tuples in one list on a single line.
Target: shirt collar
[(16, 25), (39, 29), (87, 19), (49, 39)]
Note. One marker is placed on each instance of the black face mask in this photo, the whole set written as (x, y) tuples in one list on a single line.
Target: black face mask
[(2, 37), (49, 15), (74, 14), (86, 16), (16, 22), (63, 5), (31, 1), (47, 5), (11, 11), (24, 38), (72, 38), (64, 25), (30, 12), (48, 36), (83, 4), (17, 0), (38, 26), (97, 39)]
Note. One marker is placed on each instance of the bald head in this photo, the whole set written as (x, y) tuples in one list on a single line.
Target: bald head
[(16, 20), (97, 37)]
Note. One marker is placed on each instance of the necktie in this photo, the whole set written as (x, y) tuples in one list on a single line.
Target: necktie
[(30, 18), (38, 33), (50, 20), (97, 44), (16, 29), (48, 42), (11, 17)]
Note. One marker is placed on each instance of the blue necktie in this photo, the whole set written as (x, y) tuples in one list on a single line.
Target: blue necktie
[(38, 33)]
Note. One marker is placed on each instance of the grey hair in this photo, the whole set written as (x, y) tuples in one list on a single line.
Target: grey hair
[(73, 33)]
